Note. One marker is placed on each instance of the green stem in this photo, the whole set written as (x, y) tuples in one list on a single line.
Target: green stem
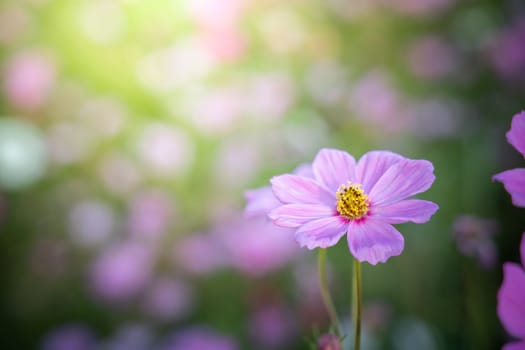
[(356, 304), (325, 293)]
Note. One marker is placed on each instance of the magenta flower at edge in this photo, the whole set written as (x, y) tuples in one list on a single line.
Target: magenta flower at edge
[(362, 199), (514, 179), (511, 300)]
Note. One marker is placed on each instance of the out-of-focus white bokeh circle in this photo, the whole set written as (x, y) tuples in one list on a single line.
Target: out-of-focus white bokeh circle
[(23, 154)]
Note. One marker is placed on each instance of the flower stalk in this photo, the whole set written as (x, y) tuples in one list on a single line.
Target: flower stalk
[(356, 304), (325, 293)]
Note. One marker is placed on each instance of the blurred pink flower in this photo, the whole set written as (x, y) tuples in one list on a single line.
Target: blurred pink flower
[(29, 79), (361, 198), (237, 162), (214, 112), (432, 58), (507, 52), (272, 326), (511, 300), (225, 45), (474, 238), (269, 96), (150, 214), (201, 338), (168, 299), (387, 110), (257, 247), (205, 246), (514, 180), (436, 117), (210, 14), (121, 271), (70, 337), (165, 150)]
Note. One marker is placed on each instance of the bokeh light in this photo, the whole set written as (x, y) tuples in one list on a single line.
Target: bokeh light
[(23, 154)]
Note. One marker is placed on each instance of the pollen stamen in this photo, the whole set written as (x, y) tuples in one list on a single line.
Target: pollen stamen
[(352, 202)]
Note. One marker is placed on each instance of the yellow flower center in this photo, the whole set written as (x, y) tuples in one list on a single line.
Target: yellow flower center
[(352, 202)]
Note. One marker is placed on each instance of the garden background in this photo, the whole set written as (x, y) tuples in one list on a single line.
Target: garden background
[(130, 131)]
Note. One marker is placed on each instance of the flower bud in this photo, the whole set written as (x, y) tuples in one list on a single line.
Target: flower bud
[(329, 342)]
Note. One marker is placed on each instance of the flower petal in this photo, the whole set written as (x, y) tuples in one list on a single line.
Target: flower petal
[(514, 182), (332, 168), (300, 190), (520, 345), (516, 134), (321, 233), (415, 210), (304, 170), (403, 179), (511, 300), (374, 241), (522, 250), (372, 166), (260, 201), (295, 215)]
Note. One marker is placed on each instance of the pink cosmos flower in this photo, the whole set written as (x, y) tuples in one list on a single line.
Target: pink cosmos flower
[(514, 179), (511, 300), (261, 200), (361, 198)]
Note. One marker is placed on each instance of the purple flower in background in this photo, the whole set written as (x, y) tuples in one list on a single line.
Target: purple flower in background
[(150, 214), (361, 198), (70, 337), (474, 238), (507, 52), (514, 179), (256, 247), (207, 247), (432, 58), (387, 111), (122, 271), (200, 338), (272, 326), (511, 300), (168, 299)]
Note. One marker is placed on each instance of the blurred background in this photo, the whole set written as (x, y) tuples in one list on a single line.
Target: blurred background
[(130, 130)]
